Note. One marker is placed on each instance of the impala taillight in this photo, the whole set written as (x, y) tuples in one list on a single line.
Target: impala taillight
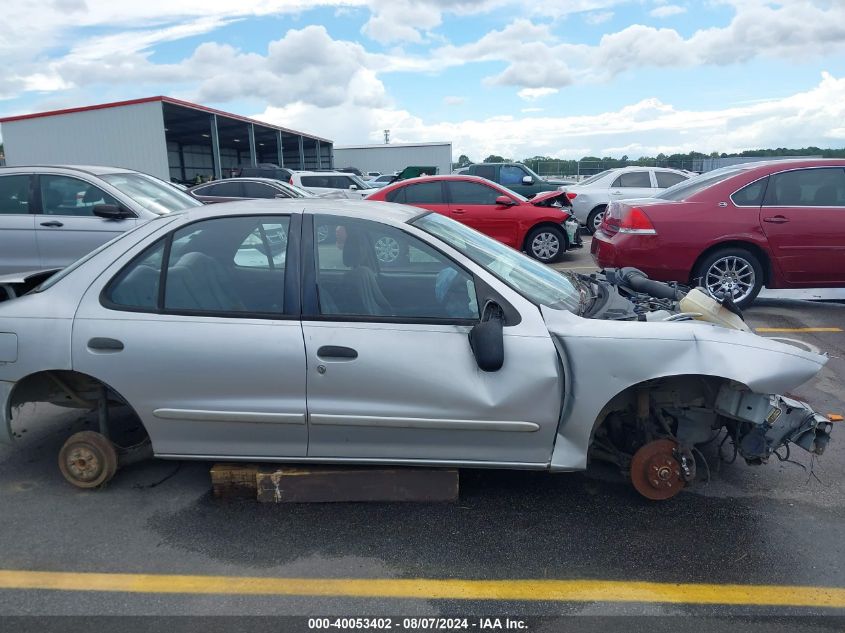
[(634, 220), (571, 195)]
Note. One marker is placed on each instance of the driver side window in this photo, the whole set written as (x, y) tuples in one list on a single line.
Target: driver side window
[(369, 269)]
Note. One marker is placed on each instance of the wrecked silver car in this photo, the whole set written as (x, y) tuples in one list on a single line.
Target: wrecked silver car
[(245, 333)]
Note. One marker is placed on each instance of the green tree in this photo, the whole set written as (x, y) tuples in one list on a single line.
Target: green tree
[(464, 161), (493, 158)]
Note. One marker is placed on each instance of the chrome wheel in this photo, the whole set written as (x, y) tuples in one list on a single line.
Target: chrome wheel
[(387, 249), (545, 246), (597, 218), (730, 276)]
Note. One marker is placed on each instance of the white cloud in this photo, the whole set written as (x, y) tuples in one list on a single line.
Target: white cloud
[(599, 17), (667, 10), (645, 128), (530, 94)]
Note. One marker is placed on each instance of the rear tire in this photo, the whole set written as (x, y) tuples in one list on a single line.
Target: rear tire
[(733, 270), (595, 218), (546, 244)]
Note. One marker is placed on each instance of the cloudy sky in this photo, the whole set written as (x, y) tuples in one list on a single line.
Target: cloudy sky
[(561, 78)]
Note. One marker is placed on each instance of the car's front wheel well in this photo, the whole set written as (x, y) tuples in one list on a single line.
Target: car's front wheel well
[(654, 409), (540, 225), (76, 390), (761, 255)]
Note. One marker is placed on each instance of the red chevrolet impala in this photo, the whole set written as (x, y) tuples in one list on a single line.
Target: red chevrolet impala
[(535, 226), (779, 224)]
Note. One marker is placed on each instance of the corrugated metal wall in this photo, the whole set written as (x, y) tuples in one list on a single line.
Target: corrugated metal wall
[(389, 158), (129, 136)]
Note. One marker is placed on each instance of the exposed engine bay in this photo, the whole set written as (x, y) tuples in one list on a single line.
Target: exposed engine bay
[(654, 433)]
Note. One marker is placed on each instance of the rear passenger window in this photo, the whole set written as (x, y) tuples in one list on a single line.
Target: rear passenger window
[(424, 193), (14, 194), (217, 266), (666, 179), (258, 190), (638, 179)]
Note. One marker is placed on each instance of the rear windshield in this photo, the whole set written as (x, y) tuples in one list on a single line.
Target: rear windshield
[(688, 188)]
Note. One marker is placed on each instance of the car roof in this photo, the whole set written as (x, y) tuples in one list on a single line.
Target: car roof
[(93, 170), (468, 177), (324, 172), (269, 181), (368, 210)]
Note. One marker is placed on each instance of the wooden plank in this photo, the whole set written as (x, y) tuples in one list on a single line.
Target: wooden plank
[(234, 480), (322, 484)]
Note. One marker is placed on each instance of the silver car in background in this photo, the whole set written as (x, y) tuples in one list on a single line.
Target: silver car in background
[(51, 216), (591, 197), (235, 333)]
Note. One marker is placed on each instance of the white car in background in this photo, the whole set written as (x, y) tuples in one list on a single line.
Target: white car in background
[(590, 197), (335, 184)]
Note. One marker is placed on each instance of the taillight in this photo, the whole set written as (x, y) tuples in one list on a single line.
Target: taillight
[(571, 195), (291, 180), (634, 220)]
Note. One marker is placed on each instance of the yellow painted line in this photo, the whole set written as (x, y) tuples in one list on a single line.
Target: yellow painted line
[(433, 589), (798, 329)]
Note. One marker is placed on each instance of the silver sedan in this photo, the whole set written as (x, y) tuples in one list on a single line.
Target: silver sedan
[(241, 332)]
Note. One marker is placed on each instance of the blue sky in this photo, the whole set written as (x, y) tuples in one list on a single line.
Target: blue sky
[(566, 79)]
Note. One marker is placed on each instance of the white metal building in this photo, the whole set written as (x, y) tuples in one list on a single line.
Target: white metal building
[(388, 158), (161, 136)]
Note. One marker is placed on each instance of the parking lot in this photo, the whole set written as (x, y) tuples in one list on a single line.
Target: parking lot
[(155, 540)]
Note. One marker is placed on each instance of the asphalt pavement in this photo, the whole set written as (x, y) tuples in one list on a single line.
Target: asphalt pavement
[(762, 527)]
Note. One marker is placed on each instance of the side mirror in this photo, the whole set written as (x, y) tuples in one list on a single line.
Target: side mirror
[(504, 201), (486, 339), (353, 187), (527, 180), (111, 212)]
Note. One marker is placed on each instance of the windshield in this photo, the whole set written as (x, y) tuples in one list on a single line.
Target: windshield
[(361, 184), (538, 283), (152, 194), (687, 188)]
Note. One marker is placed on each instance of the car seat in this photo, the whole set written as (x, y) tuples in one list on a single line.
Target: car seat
[(366, 296), (200, 282), (826, 196)]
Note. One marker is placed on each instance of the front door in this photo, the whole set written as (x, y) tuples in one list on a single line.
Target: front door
[(474, 204), (214, 363), (391, 376), (803, 217), (18, 249), (66, 227)]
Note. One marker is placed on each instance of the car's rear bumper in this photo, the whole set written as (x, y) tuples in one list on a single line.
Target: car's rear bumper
[(644, 252)]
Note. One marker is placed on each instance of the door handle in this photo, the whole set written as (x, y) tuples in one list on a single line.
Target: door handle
[(458, 211), (105, 344), (616, 193), (55, 223), (336, 352), (778, 219)]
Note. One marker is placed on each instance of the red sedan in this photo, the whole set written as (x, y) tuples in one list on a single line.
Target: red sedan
[(779, 224), (536, 226)]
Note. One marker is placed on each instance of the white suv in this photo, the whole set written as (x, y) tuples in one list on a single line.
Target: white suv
[(590, 197), (331, 183)]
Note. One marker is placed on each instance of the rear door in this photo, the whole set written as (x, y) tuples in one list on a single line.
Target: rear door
[(474, 204), (803, 217), (632, 184), (18, 247), (65, 225), (199, 331)]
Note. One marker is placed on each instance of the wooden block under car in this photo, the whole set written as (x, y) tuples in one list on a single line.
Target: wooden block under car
[(234, 481), (305, 484)]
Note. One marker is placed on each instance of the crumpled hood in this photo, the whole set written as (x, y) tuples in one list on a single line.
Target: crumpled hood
[(643, 350), (549, 196)]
